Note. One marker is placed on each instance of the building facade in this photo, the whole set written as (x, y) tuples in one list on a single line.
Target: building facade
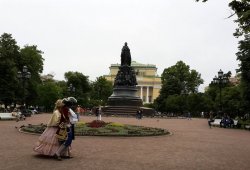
[(149, 83)]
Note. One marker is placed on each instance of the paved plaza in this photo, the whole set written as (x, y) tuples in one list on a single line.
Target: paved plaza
[(192, 145)]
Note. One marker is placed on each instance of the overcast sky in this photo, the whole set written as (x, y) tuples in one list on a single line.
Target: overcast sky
[(87, 35)]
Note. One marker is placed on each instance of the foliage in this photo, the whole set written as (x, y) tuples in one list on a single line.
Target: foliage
[(96, 124), (149, 105), (242, 10), (48, 93), (101, 89), (232, 101), (107, 129), (81, 85), (12, 60), (115, 124), (80, 124), (32, 58), (175, 103), (177, 80), (244, 56), (9, 54)]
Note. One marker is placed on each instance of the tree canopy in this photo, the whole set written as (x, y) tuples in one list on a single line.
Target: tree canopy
[(101, 90), (12, 60), (9, 54), (177, 80)]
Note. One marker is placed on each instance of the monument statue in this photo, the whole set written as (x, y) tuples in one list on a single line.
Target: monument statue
[(125, 55), (125, 90), (126, 74), (125, 99)]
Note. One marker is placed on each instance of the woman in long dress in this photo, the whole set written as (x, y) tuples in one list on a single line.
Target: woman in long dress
[(48, 142)]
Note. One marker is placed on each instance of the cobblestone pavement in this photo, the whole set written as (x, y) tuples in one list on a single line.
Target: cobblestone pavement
[(193, 145)]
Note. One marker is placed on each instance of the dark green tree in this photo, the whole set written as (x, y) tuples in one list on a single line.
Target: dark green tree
[(176, 104), (244, 56), (199, 102), (177, 80), (48, 93), (32, 58), (9, 53), (101, 89), (232, 101), (81, 85), (213, 90)]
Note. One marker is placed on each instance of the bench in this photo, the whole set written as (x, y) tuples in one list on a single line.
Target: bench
[(216, 122), (247, 127), (7, 116)]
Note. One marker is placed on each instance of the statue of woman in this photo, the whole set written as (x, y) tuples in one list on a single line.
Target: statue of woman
[(125, 56)]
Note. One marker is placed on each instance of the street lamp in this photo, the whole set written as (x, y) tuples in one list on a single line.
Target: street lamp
[(23, 76), (220, 80), (71, 88)]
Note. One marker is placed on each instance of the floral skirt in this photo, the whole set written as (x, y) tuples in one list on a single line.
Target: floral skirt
[(47, 143)]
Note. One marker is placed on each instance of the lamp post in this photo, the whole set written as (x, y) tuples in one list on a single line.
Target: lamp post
[(23, 76), (220, 80), (71, 89)]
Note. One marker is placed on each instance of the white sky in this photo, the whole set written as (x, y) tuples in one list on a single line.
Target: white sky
[(87, 35)]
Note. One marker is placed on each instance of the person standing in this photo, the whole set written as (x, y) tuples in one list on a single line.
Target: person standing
[(210, 119), (99, 117), (188, 115), (48, 142), (78, 112), (139, 114), (97, 112)]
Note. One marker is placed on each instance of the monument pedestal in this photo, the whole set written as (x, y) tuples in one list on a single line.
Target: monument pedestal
[(124, 96)]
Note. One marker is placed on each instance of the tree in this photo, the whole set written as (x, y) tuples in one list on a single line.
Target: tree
[(244, 56), (232, 101), (175, 103), (31, 57), (12, 60), (9, 53), (177, 80), (199, 102), (48, 93), (101, 89), (81, 84)]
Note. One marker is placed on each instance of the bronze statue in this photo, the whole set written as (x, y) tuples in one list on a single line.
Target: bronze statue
[(125, 90), (125, 55), (126, 74)]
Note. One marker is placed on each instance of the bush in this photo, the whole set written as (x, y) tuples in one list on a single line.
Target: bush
[(114, 124), (96, 124)]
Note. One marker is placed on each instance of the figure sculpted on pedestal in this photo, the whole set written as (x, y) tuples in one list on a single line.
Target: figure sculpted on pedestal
[(125, 56), (126, 75)]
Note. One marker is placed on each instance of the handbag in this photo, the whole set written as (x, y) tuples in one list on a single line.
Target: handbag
[(61, 132)]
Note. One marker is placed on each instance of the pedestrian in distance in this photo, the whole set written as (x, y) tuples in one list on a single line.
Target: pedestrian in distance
[(139, 114), (211, 119)]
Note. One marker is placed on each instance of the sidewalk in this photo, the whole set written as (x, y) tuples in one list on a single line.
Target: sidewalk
[(193, 145)]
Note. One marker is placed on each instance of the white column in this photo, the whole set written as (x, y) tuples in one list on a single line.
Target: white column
[(147, 101), (141, 92)]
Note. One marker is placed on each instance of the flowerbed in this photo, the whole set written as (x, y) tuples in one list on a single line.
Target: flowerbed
[(101, 128)]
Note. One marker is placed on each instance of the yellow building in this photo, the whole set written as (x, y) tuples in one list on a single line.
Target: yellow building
[(149, 83)]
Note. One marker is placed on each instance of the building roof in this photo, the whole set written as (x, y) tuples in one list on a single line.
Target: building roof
[(136, 64)]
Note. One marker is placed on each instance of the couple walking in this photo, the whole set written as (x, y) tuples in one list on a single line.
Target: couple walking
[(57, 138)]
